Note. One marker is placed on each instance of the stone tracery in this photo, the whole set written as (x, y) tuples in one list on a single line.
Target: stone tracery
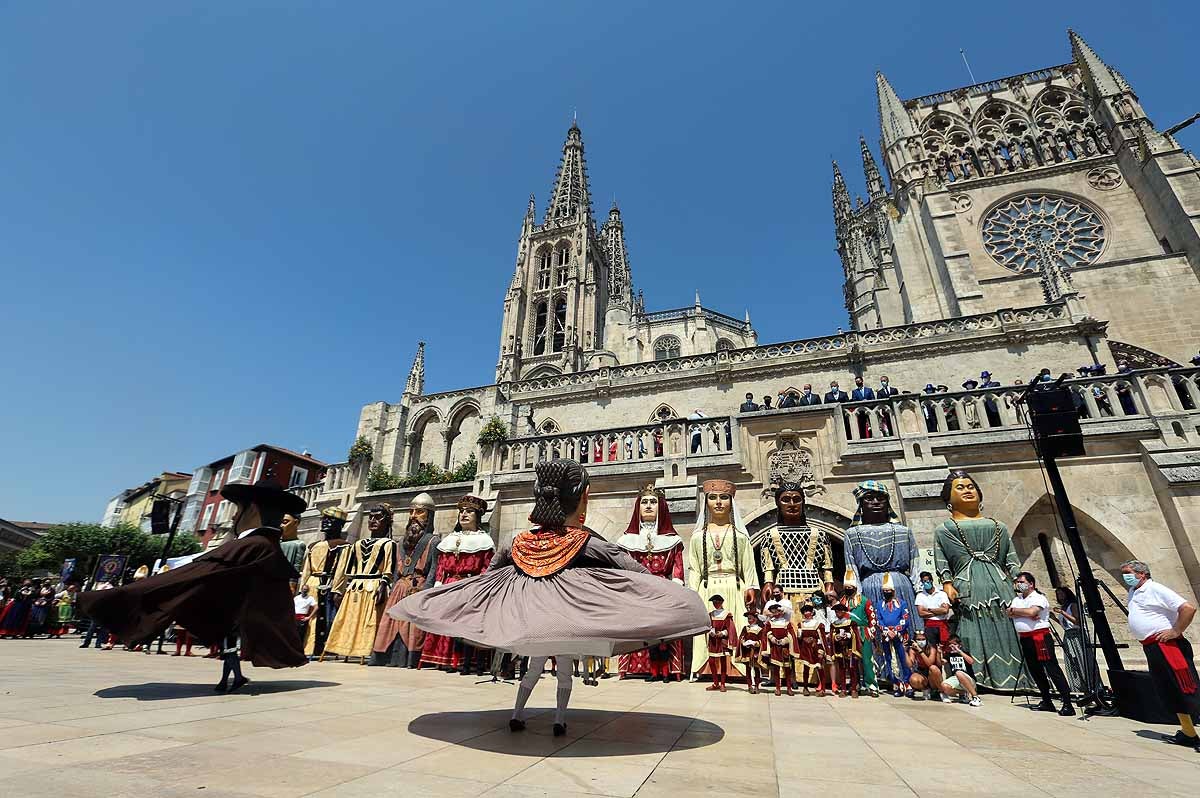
[(1022, 232)]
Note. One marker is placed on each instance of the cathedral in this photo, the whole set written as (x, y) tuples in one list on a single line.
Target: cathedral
[(1036, 221)]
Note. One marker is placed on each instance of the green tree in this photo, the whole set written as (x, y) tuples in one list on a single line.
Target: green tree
[(360, 452), (86, 542)]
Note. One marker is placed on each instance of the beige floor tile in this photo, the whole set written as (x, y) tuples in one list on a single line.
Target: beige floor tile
[(820, 788), (379, 750), (866, 769), (481, 764), (94, 749), (394, 781), (200, 731), (669, 782), (34, 733)]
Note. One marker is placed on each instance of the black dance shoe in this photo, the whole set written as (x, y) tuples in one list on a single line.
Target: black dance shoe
[(1067, 711), (1182, 739), (238, 684), (560, 729), (220, 688), (515, 725), (1045, 706)]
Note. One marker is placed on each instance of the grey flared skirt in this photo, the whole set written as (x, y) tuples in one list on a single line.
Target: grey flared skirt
[(592, 612)]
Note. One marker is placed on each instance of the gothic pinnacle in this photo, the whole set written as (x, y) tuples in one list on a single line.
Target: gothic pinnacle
[(1105, 80), (841, 197), (416, 375), (871, 171), (894, 121), (571, 199)]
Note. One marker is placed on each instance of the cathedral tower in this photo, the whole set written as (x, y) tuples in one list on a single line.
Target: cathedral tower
[(554, 311)]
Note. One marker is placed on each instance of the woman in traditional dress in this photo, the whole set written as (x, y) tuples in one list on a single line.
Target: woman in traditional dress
[(64, 611), (558, 590), (977, 564), (15, 621), (39, 613)]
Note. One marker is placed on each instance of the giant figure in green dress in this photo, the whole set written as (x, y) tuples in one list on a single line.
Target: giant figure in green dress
[(977, 563)]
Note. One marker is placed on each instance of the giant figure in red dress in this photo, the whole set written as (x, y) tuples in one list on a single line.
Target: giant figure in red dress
[(652, 541), (464, 553)]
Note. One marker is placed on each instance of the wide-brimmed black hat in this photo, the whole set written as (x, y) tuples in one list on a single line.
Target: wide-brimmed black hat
[(265, 493)]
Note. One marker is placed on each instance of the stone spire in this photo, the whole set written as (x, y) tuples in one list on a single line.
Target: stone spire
[(875, 188), (841, 197), (1100, 77), (571, 200), (416, 375), (894, 121), (531, 211), (620, 281)]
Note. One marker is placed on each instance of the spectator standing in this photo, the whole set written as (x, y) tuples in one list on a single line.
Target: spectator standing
[(958, 674), (1158, 616), (885, 391), (305, 607), (1030, 613), (929, 409), (787, 399), (766, 404), (1124, 391), (749, 406), (862, 393), (948, 409), (989, 405), (933, 605), (808, 398), (970, 409), (696, 431), (1079, 657), (835, 394)]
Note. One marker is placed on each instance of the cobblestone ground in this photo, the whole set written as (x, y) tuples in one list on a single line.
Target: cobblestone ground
[(85, 722)]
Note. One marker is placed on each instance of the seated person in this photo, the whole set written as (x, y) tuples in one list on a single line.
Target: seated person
[(959, 675), (925, 661)]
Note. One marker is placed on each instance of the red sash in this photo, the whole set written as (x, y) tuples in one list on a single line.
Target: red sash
[(1175, 659), (1041, 642)]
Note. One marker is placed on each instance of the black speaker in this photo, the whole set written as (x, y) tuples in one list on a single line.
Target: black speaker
[(1056, 422), (160, 517), (1137, 699)]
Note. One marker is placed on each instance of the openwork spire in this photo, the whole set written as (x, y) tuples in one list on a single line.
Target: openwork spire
[(416, 375), (894, 121), (1102, 78), (841, 197), (620, 282), (875, 187), (571, 200)]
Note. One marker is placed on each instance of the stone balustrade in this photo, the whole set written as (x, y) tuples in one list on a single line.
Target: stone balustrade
[(688, 438)]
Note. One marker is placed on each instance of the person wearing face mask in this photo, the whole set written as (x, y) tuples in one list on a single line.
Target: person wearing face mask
[(1158, 617), (933, 605), (885, 391), (1030, 613), (808, 398), (895, 628)]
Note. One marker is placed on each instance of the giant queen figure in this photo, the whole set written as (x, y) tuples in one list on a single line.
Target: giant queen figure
[(465, 552), (977, 564), (652, 541), (795, 558), (364, 572), (398, 643), (320, 563), (720, 560)]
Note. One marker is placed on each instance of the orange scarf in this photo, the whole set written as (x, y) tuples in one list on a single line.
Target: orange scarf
[(545, 552)]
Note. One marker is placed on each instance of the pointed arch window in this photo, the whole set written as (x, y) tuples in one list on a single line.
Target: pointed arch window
[(564, 254), (666, 347), (539, 329), (560, 325), (545, 260)]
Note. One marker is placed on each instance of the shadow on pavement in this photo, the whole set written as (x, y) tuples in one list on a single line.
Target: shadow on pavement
[(590, 732), (165, 691)]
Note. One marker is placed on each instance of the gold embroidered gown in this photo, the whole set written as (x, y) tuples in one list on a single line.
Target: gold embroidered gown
[(363, 577)]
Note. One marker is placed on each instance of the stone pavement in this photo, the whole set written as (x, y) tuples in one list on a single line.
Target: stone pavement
[(76, 722)]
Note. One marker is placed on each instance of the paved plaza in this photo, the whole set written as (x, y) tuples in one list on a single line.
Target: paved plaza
[(115, 723)]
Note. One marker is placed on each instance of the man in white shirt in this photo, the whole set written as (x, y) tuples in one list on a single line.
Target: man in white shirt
[(1158, 617), (304, 606), (933, 605), (1030, 613)]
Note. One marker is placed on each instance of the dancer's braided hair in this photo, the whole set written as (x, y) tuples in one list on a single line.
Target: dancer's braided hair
[(556, 491)]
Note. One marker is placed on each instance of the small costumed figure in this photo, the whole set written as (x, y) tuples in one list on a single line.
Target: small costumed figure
[(862, 611), (782, 647), (846, 639), (722, 639), (895, 627), (651, 540), (751, 645), (812, 649)]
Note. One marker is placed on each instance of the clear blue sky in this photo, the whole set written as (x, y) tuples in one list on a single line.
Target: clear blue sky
[(229, 223)]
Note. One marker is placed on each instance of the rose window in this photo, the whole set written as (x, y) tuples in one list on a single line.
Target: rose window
[(1025, 233)]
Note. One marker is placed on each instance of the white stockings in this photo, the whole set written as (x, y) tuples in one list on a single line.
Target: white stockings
[(564, 667)]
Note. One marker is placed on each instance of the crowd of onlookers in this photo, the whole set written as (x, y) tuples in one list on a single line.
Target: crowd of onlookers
[(33, 607)]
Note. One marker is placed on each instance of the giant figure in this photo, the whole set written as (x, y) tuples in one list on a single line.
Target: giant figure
[(465, 552), (398, 643), (364, 572), (977, 564), (720, 560), (320, 564), (652, 541), (877, 546), (795, 558)]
